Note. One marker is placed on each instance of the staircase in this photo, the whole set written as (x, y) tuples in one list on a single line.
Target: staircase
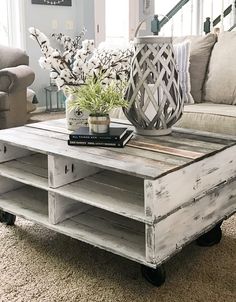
[(196, 17)]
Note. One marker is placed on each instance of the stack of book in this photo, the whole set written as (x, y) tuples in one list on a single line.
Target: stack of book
[(116, 137)]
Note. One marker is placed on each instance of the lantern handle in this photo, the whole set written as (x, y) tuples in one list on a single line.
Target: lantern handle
[(144, 20)]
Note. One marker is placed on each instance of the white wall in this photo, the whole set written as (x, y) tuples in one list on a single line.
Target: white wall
[(41, 17)]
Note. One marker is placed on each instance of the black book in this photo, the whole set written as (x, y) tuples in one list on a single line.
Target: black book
[(118, 144), (83, 133)]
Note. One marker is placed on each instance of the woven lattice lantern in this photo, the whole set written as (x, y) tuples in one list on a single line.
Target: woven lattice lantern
[(154, 93)]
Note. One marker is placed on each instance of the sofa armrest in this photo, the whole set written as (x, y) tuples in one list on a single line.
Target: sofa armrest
[(15, 79)]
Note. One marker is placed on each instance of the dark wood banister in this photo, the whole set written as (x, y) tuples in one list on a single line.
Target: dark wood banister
[(227, 11), (232, 27), (181, 3), (217, 20), (172, 12)]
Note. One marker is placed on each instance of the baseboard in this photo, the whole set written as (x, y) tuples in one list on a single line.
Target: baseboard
[(40, 109)]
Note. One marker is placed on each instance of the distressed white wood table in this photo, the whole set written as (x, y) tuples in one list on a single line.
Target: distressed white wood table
[(143, 202)]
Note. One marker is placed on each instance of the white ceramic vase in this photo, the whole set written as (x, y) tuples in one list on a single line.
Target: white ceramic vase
[(75, 118)]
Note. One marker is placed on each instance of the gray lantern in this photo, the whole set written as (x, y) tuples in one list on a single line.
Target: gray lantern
[(154, 93)]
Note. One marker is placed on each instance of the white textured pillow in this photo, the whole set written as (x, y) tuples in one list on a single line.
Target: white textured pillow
[(182, 55)]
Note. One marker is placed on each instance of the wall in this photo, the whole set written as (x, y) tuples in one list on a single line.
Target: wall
[(88, 18), (43, 17)]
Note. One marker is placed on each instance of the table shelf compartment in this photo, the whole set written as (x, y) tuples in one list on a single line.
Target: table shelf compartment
[(27, 202), (111, 191), (30, 170), (114, 233)]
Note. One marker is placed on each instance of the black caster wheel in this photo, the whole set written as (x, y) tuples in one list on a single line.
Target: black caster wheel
[(7, 218), (154, 276), (211, 238)]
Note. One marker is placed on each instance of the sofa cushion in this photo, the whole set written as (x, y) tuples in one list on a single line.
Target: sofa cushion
[(4, 101), (220, 85), (209, 117), (200, 51), (182, 56)]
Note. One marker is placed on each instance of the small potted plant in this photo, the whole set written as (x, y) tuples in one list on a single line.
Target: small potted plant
[(99, 99)]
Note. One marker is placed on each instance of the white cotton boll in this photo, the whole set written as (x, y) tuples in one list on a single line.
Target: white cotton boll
[(42, 37), (87, 45), (80, 81), (32, 37), (53, 75), (106, 81), (79, 62), (57, 66), (55, 54), (106, 73), (93, 62), (31, 30), (81, 55), (50, 50), (90, 72), (85, 68), (96, 71), (126, 65), (66, 75), (118, 66), (123, 77), (44, 63), (63, 39), (90, 46), (76, 70), (46, 50), (90, 65), (67, 55), (59, 82), (112, 74)]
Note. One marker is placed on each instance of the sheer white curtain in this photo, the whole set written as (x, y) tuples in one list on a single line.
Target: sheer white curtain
[(12, 29)]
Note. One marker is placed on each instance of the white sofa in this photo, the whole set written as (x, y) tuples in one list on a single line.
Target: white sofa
[(213, 84)]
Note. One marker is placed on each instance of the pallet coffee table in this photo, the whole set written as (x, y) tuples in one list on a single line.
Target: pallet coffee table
[(143, 202)]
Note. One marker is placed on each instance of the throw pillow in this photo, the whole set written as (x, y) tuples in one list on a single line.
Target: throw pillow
[(220, 86), (182, 54), (200, 51)]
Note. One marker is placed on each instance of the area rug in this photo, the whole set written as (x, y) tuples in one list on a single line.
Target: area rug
[(37, 264)]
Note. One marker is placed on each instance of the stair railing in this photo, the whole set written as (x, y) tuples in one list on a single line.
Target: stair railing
[(230, 9), (208, 24)]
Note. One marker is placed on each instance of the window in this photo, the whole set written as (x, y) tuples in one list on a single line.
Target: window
[(4, 23), (12, 28), (116, 21)]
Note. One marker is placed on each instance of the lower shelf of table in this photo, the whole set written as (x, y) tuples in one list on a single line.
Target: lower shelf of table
[(106, 230)]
